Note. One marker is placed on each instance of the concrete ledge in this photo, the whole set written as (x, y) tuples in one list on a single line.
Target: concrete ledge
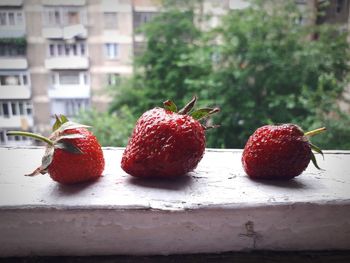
[(214, 209)]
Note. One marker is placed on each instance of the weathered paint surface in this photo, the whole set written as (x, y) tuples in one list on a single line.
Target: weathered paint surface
[(213, 209)]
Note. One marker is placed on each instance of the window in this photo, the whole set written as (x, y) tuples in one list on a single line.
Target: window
[(52, 52), (69, 78), (74, 49), (60, 49), (111, 20), (11, 18), (25, 80), (15, 108), (63, 16), (10, 80), (29, 108), (21, 108), (53, 17), (67, 49), (82, 49), (85, 77), (19, 18), (69, 107), (3, 18), (113, 79), (111, 50), (140, 18), (57, 17), (73, 17), (5, 110), (8, 50), (15, 79), (339, 6)]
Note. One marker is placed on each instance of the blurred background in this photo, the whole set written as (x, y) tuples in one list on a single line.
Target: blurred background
[(105, 62)]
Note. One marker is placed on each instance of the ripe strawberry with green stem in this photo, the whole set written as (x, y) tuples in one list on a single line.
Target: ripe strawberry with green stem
[(167, 142), (73, 154), (279, 152)]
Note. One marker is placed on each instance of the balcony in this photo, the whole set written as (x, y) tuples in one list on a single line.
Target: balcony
[(65, 32), (16, 3), (13, 63), (9, 92), (14, 31), (70, 62), (64, 2), (18, 121), (69, 91), (116, 6)]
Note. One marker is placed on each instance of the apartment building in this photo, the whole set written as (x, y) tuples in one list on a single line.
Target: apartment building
[(16, 109), (57, 57), (82, 46)]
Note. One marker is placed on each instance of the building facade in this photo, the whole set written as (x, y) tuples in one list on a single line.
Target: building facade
[(16, 108), (57, 56)]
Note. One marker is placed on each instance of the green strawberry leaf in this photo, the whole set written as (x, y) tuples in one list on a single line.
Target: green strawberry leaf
[(189, 106), (170, 106), (57, 124), (313, 159), (59, 121), (203, 113), (68, 146), (316, 149), (63, 118)]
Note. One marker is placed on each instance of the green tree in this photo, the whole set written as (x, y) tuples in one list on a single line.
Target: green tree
[(111, 129), (259, 66), (270, 72)]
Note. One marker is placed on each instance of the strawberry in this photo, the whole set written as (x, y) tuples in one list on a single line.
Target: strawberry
[(279, 152), (72, 154), (166, 142)]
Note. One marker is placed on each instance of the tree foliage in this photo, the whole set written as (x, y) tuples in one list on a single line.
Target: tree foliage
[(259, 66), (111, 129), (271, 72)]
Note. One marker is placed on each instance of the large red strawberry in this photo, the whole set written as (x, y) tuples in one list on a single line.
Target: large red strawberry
[(166, 142), (279, 152), (72, 155)]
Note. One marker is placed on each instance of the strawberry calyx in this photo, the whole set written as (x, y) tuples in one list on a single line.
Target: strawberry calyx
[(314, 147), (57, 140), (198, 114)]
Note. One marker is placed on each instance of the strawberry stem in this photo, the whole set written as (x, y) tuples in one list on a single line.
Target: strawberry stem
[(31, 135), (314, 132)]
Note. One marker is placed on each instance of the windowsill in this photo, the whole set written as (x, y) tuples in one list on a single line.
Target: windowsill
[(216, 208)]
